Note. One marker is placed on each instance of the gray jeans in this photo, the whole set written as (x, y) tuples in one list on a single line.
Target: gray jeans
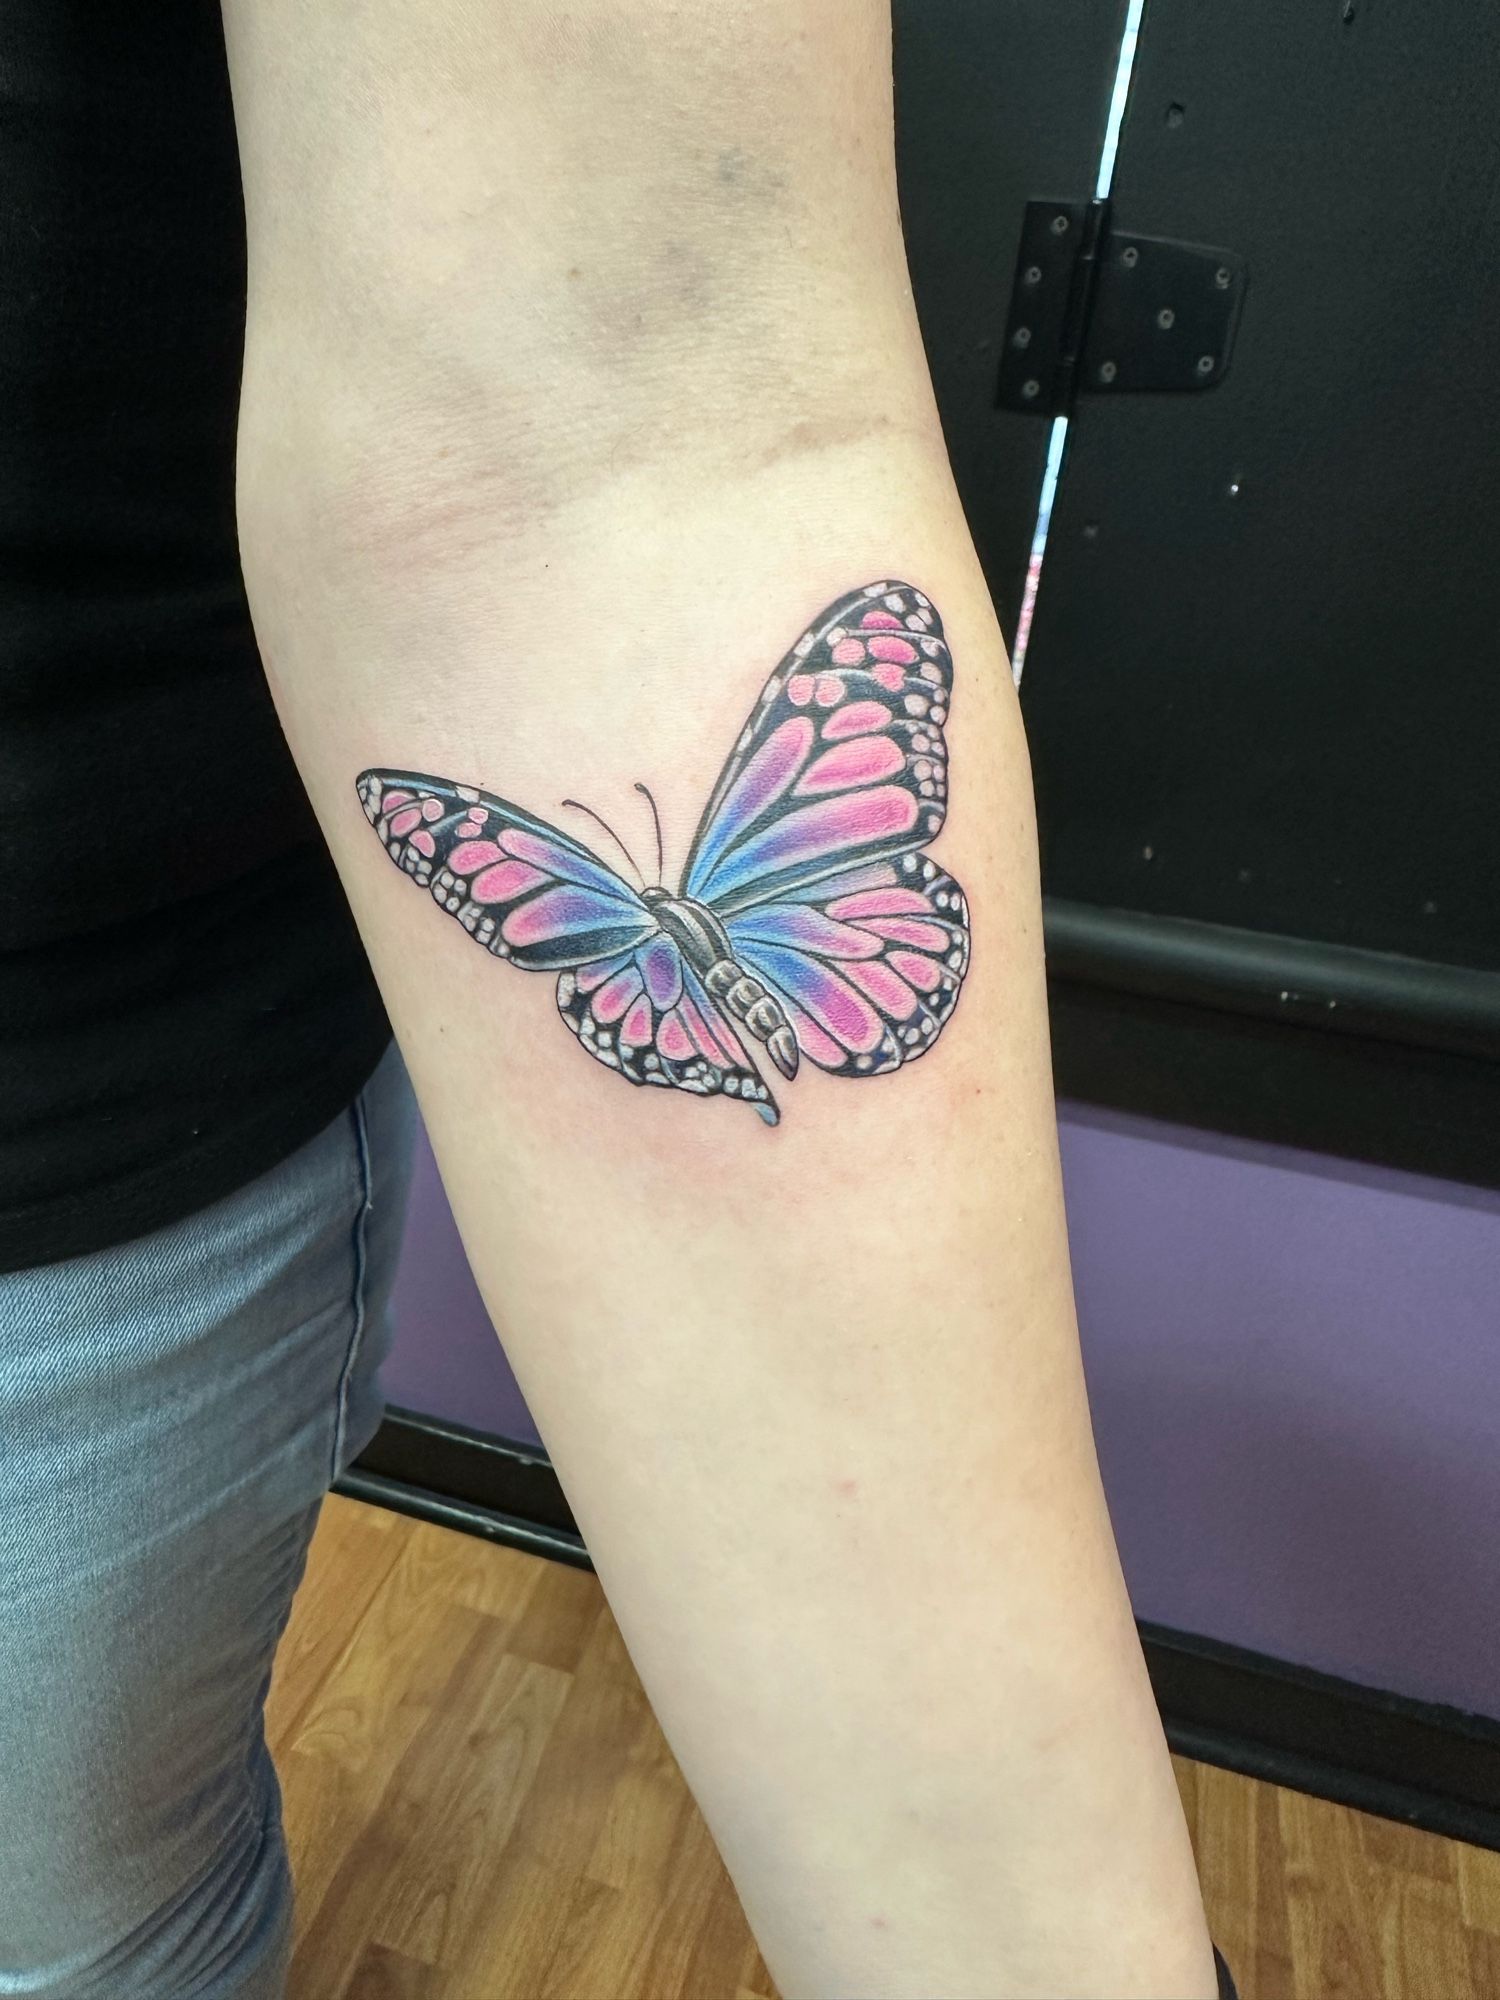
[(171, 1414)]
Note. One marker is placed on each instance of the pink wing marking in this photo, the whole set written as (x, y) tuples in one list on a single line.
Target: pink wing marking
[(880, 902), (469, 856), (923, 973), (504, 882), (672, 1038), (708, 1044), (906, 930), (900, 651), (635, 1029), (858, 719), (864, 760), (885, 987), (615, 995)]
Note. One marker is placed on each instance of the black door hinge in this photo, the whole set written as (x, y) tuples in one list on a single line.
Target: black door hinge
[(1095, 311)]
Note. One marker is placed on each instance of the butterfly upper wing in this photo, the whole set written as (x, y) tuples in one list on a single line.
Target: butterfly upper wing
[(809, 850), (843, 760), (522, 889), (646, 1015), (867, 965)]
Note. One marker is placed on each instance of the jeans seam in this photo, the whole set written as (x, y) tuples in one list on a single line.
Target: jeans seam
[(360, 1248)]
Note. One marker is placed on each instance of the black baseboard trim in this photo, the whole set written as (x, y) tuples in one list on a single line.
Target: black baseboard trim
[(1428, 1766), (1425, 1765), (1339, 989), (1358, 1054), (465, 1516)]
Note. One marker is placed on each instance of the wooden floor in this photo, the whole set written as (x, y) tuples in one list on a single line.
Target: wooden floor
[(481, 1807)]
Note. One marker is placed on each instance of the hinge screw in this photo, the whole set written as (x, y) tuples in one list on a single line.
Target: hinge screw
[(1130, 256), (1033, 274), (1021, 337), (1205, 364), (1107, 371), (1031, 390), (1222, 277), (1165, 318), (1059, 225)]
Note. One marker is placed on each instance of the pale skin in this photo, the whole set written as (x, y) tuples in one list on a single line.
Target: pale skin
[(581, 372)]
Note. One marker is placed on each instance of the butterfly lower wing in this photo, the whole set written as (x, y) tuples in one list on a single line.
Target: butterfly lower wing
[(868, 968), (843, 760), (525, 891), (647, 1016)]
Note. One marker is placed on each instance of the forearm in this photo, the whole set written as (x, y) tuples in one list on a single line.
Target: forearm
[(536, 501)]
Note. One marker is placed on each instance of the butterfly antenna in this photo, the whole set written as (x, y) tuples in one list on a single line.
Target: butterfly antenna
[(578, 806), (656, 822)]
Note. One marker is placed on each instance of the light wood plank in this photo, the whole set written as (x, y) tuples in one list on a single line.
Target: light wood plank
[(481, 1807)]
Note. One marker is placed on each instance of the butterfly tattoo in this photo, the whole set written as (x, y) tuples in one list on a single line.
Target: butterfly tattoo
[(808, 921)]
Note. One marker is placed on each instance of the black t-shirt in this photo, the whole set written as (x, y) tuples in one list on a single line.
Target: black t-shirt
[(183, 996)]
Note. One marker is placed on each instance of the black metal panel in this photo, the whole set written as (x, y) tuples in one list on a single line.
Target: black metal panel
[(996, 101), (1262, 689)]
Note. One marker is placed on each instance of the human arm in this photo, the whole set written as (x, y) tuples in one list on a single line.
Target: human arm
[(581, 373)]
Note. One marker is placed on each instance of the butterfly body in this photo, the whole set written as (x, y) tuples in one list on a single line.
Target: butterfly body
[(704, 942), (808, 918)]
